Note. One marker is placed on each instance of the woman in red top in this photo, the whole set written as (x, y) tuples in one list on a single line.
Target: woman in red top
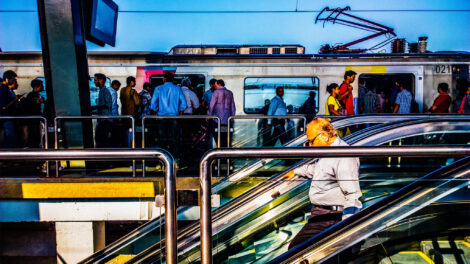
[(443, 100)]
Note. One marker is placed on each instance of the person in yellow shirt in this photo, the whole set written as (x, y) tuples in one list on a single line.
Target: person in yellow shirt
[(333, 107)]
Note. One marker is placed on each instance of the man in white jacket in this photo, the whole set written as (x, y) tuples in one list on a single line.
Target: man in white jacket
[(334, 191)]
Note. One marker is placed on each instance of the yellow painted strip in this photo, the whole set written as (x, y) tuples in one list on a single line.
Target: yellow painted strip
[(88, 190), (72, 163), (367, 69), (120, 259), (421, 254)]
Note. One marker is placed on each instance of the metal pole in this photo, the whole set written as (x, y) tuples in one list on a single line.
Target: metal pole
[(297, 152), (101, 154)]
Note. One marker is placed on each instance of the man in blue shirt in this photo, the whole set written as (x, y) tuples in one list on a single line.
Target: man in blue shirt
[(168, 100), (403, 101), (277, 107)]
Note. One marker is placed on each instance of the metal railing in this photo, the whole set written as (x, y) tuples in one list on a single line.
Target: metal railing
[(81, 118), (317, 152), (180, 117), (101, 154), (41, 118), (233, 119)]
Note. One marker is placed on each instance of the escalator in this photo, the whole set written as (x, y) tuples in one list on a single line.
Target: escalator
[(259, 202), (424, 222)]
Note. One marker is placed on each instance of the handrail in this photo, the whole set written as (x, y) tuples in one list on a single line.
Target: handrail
[(205, 177), (100, 154), (230, 127), (44, 120)]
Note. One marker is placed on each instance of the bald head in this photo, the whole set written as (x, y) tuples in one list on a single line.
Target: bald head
[(320, 132)]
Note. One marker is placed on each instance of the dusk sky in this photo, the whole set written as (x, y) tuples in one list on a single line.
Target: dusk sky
[(157, 25)]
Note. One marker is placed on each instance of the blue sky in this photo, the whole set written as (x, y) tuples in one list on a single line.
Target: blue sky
[(157, 25)]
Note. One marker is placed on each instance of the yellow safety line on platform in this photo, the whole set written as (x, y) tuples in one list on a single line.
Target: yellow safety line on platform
[(88, 190), (421, 254)]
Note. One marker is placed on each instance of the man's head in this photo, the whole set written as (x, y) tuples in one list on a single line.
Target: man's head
[(100, 80), (280, 91), (212, 84), (130, 81), (442, 88), (147, 86), (320, 133), (116, 85), (400, 85), (219, 84), (37, 85), (9, 78), (168, 77), (362, 82), (186, 82), (350, 76)]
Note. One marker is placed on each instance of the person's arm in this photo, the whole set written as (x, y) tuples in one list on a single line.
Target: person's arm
[(303, 171), (332, 110), (234, 109), (347, 174), (343, 93), (397, 106), (154, 102)]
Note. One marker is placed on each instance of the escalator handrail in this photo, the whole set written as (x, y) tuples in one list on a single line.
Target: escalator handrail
[(459, 169)]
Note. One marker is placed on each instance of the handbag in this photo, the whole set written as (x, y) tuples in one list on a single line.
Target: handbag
[(341, 110)]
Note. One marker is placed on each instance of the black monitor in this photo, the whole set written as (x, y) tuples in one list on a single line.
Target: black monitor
[(101, 21)]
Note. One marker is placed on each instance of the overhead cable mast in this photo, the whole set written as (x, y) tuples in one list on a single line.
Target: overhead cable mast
[(339, 16)]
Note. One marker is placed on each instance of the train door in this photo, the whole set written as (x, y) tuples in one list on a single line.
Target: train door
[(385, 86)]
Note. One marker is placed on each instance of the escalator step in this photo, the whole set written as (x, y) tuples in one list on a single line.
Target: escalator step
[(403, 257), (447, 252), (120, 259)]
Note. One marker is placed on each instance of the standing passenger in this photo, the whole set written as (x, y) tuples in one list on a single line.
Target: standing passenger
[(362, 92), (309, 106), (442, 102), (223, 106), (464, 107), (277, 107), (168, 100), (105, 108), (345, 92), (403, 101), (334, 190), (206, 99), (146, 99), (129, 98), (192, 102), (333, 107), (371, 102), (32, 107), (8, 99)]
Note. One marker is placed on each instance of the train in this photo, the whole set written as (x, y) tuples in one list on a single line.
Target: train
[(252, 72)]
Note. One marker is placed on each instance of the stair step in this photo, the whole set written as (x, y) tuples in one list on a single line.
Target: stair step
[(402, 257), (447, 252)]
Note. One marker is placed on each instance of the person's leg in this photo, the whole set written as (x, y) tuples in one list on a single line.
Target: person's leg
[(10, 136), (320, 219)]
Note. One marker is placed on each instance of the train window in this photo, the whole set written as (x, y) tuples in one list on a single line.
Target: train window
[(384, 84), (259, 91), (94, 91), (198, 81)]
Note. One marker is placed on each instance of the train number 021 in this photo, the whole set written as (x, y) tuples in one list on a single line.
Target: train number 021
[(443, 69)]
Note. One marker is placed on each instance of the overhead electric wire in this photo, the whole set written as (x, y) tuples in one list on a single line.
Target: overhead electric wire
[(261, 11)]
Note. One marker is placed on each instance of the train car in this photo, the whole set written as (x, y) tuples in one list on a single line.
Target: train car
[(253, 72)]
